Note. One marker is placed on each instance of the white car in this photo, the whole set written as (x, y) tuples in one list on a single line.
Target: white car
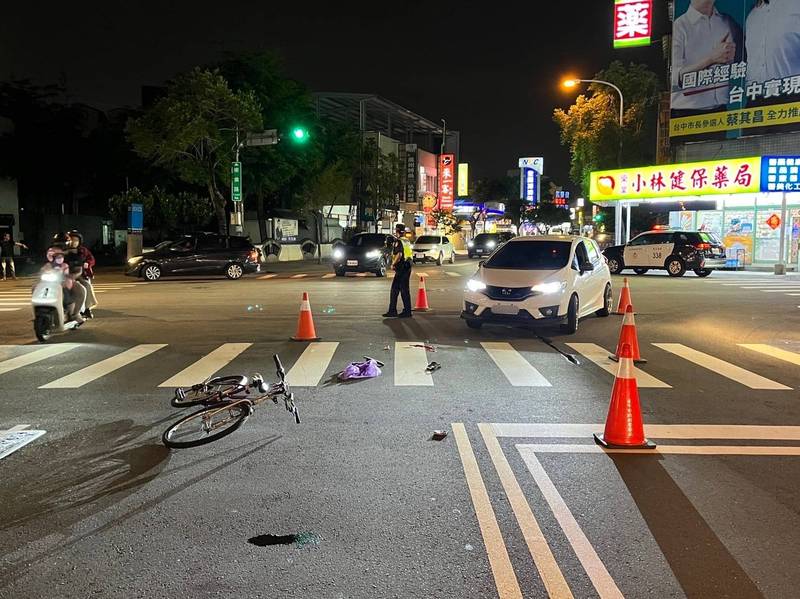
[(434, 248), (535, 280)]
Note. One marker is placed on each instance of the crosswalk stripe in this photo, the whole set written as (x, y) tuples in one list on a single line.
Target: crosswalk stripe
[(774, 352), (312, 364), (599, 356), (779, 290), (4, 303), (453, 274), (104, 367), (329, 275), (207, 365), (516, 368), (726, 369), (299, 276), (270, 276), (35, 356), (794, 294), (10, 309), (410, 364)]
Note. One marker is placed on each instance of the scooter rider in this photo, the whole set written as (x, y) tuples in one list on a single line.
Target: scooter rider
[(87, 274), (74, 294)]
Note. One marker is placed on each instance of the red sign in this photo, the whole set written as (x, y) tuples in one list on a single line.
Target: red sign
[(633, 23), (447, 171), (774, 221)]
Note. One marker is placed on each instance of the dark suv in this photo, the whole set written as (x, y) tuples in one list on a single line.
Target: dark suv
[(198, 254), (674, 251), (486, 243), (366, 252)]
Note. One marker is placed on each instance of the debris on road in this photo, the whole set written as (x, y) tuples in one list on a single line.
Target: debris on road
[(427, 347), (439, 435), (433, 367), (329, 310), (369, 368)]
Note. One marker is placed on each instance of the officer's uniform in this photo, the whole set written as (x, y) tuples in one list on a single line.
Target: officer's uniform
[(402, 276)]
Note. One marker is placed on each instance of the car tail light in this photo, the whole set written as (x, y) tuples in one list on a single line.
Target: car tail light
[(253, 256), (702, 246)]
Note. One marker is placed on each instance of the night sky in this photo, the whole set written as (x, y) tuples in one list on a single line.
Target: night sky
[(490, 68)]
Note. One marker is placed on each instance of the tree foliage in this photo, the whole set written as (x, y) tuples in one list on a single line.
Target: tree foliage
[(380, 178), (547, 213), (590, 127), (446, 220), (193, 130), (165, 214)]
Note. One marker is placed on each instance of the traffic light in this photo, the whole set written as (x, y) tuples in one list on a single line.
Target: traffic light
[(300, 135), (598, 218)]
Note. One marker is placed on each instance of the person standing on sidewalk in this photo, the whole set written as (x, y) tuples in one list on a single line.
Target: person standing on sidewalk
[(401, 263), (7, 255)]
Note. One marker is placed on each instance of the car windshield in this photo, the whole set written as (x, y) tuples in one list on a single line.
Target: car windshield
[(368, 240), (484, 237), (531, 255), (428, 239)]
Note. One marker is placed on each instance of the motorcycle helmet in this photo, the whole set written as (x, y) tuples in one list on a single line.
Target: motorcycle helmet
[(60, 240), (75, 233)]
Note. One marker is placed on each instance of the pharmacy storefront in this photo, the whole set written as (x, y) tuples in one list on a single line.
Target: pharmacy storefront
[(752, 204)]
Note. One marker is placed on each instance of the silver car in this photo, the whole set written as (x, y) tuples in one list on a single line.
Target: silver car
[(434, 248)]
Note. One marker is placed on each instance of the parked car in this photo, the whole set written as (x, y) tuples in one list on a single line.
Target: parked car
[(434, 248), (535, 280), (486, 243), (673, 251), (198, 254), (366, 252)]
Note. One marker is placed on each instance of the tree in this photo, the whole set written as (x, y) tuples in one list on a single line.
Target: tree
[(446, 220), (548, 214), (380, 179), (193, 131), (590, 127), (165, 214)]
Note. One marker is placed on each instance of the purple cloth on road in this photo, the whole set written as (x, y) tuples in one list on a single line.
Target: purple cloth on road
[(360, 370)]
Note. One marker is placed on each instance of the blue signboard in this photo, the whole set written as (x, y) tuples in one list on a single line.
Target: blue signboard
[(135, 218), (530, 185), (780, 173)]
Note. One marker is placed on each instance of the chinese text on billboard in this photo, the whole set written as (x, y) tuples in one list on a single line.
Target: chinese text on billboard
[(633, 23), (446, 181)]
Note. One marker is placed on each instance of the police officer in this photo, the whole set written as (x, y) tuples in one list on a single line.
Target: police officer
[(401, 263)]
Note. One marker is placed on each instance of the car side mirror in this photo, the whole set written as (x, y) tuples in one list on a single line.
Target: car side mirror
[(587, 267)]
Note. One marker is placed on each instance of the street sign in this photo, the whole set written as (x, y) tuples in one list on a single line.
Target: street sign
[(262, 138), (135, 218), (236, 181), (774, 221)]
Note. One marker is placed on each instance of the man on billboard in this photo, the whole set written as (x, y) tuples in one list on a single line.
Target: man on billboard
[(703, 38), (773, 41)]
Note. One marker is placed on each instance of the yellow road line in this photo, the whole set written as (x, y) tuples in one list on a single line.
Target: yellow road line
[(550, 573), (504, 577)]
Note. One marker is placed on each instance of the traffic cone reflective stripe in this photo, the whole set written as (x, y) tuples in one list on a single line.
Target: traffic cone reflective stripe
[(627, 334), (422, 297), (305, 322), (624, 427), (624, 297)]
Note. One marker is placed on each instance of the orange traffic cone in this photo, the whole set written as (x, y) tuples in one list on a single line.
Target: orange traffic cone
[(305, 323), (624, 297), (624, 426), (628, 335), (422, 297)]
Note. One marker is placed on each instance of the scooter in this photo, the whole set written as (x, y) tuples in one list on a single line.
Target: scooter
[(47, 301)]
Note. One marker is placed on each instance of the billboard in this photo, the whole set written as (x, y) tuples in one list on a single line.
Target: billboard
[(411, 173), (447, 197), (633, 23), (735, 67), (463, 179)]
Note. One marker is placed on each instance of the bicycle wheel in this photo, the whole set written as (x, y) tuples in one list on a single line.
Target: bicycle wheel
[(212, 391), (207, 425)]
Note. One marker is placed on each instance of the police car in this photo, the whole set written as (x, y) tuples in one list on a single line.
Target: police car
[(673, 251)]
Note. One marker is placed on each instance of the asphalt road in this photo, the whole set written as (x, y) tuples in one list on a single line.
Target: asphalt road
[(360, 502)]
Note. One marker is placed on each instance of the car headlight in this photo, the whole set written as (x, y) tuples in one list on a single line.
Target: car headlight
[(338, 254), (50, 277), (475, 285), (135, 260), (549, 288), (471, 244), (373, 253), (491, 244)]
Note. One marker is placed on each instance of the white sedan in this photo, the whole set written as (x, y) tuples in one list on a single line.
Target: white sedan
[(533, 280), (434, 248)]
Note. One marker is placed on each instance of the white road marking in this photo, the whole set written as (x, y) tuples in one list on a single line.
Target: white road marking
[(730, 432), (453, 274), (17, 427), (329, 275), (504, 577), (13, 441), (10, 309), (726, 369), (597, 572), (312, 364), (14, 303), (35, 356), (779, 290), (299, 276), (265, 277), (773, 352), (599, 356), (546, 564), (104, 367), (755, 450), (517, 370), (207, 365), (410, 364)]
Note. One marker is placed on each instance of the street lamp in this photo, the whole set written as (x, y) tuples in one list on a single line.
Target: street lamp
[(570, 83)]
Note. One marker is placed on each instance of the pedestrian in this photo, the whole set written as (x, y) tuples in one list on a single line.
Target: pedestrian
[(7, 246), (401, 263), (84, 278)]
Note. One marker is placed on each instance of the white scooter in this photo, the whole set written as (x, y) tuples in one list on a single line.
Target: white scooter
[(47, 301)]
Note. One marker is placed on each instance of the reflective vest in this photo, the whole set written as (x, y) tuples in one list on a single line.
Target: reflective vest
[(407, 254)]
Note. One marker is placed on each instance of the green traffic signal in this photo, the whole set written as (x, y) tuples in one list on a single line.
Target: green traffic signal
[(300, 135), (598, 218)]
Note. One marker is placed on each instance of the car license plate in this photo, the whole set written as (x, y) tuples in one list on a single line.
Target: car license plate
[(418, 256), (505, 309), (352, 263)]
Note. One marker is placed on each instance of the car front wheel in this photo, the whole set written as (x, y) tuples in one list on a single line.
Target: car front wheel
[(381, 272), (151, 272), (453, 257), (675, 266), (474, 324), (440, 259), (234, 271), (615, 265), (570, 327)]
